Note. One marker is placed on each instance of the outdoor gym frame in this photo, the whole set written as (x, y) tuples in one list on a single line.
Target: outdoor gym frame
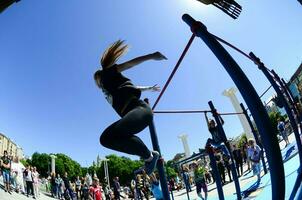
[(249, 94), (253, 101)]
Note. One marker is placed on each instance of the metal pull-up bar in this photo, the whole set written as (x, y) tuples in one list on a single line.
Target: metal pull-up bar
[(191, 112), (174, 70), (180, 111)]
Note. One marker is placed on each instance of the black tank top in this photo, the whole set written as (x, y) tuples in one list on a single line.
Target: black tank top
[(118, 90)]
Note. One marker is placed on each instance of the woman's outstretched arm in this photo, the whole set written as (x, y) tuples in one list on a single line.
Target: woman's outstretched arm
[(131, 63)]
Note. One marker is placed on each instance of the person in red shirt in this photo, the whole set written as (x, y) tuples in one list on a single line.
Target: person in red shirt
[(95, 192)]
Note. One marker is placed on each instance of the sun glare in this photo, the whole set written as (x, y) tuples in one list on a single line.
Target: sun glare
[(194, 5)]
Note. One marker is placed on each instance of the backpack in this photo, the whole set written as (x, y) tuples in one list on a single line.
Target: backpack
[(281, 127)]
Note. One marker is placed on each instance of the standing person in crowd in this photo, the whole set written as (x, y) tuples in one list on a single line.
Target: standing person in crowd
[(217, 140), (116, 188), (124, 97), (177, 182), (106, 189), (139, 186), (88, 179), (238, 159), (172, 184), (221, 169), (200, 181), (155, 187), (54, 187), (227, 165), (68, 191), (28, 177), (6, 170), (95, 191), (208, 175), (255, 155), (212, 175), (282, 131), (187, 179), (146, 185), (35, 176), (78, 185), (18, 168), (85, 191), (299, 110), (246, 149), (60, 187)]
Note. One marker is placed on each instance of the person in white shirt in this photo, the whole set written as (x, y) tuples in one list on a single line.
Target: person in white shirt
[(18, 168), (29, 181), (35, 176), (255, 156)]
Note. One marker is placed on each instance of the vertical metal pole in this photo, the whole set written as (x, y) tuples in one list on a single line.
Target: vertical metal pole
[(297, 185), (172, 195), (215, 172), (286, 94), (289, 96), (249, 94), (283, 83), (255, 136), (222, 133), (288, 112), (284, 103), (160, 163), (108, 178)]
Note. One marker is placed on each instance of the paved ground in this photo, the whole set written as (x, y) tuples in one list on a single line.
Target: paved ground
[(16, 196), (229, 189)]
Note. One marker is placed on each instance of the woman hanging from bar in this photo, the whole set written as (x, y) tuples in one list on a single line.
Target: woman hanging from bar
[(217, 140), (124, 97)]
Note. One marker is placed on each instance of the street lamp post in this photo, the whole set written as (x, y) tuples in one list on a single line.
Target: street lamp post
[(106, 170)]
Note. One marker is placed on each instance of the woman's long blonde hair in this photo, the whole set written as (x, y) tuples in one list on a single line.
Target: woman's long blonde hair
[(109, 58), (113, 53)]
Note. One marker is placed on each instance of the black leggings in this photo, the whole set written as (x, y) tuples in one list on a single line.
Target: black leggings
[(120, 136), (30, 188)]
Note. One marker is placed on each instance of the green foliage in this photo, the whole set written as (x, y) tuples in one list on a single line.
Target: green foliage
[(274, 117), (84, 170), (25, 162), (66, 164), (171, 172), (63, 164), (242, 140), (122, 167), (41, 162)]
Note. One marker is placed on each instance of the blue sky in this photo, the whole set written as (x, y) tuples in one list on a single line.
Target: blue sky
[(50, 49)]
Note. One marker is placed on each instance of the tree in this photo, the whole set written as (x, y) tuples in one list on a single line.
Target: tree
[(122, 167), (41, 162), (63, 164), (171, 173), (242, 140), (25, 162), (66, 164)]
